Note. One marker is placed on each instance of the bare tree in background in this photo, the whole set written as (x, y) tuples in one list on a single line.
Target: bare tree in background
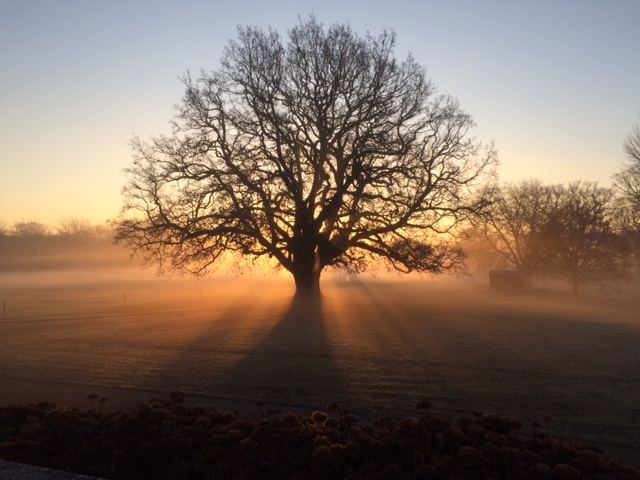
[(627, 182), (581, 244), (511, 227), (628, 179), (81, 230), (567, 232), (321, 151), (75, 228), (31, 229)]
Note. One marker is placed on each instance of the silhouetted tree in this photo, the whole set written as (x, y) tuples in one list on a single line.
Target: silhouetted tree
[(321, 151), (626, 220), (628, 179), (29, 239), (627, 182), (568, 232), (31, 230), (580, 242), (73, 226), (511, 227), (80, 230)]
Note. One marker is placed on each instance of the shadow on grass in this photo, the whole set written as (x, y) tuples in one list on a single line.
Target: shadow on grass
[(468, 352), (293, 363), (272, 350)]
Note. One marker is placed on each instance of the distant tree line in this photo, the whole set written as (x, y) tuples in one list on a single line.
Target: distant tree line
[(578, 233), (69, 228), (73, 243), (568, 232)]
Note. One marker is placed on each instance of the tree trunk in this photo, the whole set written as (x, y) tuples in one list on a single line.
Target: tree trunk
[(576, 288), (306, 273), (307, 283)]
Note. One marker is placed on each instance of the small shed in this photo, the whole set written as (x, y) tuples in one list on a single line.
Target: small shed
[(506, 280)]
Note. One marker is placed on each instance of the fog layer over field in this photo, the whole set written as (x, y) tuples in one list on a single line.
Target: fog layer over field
[(374, 345)]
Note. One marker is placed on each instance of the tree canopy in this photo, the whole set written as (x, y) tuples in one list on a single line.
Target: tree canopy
[(323, 150)]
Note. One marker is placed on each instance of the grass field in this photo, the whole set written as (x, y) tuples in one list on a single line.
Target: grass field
[(374, 346)]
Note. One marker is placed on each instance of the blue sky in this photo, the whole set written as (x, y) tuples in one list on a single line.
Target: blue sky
[(555, 84)]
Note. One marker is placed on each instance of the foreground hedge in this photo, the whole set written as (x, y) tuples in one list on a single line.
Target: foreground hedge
[(165, 439)]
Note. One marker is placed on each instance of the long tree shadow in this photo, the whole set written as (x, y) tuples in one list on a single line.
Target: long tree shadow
[(389, 308), (293, 365), (190, 351), (494, 354)]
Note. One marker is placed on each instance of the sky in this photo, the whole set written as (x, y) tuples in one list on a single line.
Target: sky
[(554, 84)]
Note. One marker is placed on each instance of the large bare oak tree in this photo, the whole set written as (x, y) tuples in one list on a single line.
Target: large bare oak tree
[(321, 150)]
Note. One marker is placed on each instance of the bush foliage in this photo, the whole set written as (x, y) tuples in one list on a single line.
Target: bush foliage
[(167, 439)]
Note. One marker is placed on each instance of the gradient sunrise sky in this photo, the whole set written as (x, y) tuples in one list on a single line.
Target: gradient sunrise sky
[(555, 84)]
